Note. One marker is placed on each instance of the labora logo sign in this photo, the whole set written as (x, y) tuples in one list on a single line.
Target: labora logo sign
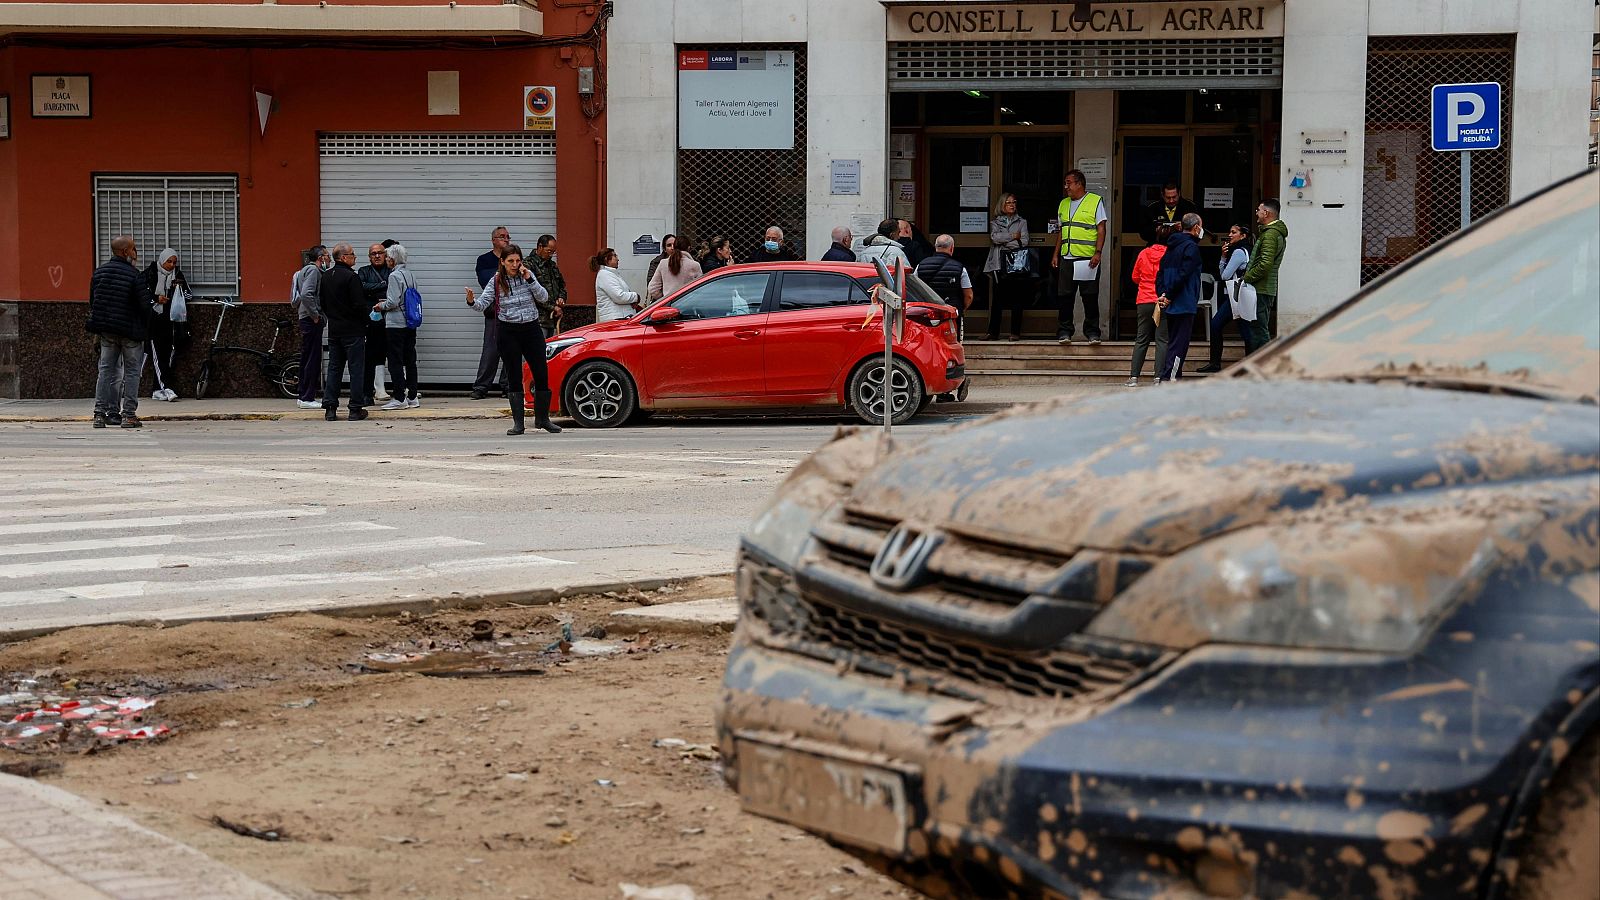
[(1466, 116)]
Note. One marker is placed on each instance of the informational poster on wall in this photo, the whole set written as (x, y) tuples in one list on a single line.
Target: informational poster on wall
[(973, 222), (736, 99), (844, 176), (1218, 198)]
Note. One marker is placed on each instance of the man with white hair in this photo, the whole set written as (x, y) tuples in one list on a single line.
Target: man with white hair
[(772, 249), (840, 251), (344, 304), (947, 276)]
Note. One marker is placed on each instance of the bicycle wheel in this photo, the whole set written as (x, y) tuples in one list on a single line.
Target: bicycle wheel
[(204, 381), (288, 379)]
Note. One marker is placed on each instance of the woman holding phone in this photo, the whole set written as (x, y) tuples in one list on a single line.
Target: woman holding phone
[(516, 295)]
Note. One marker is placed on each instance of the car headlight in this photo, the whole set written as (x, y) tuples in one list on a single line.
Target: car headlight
[(1364, 586), (551, 348), (783, 527)]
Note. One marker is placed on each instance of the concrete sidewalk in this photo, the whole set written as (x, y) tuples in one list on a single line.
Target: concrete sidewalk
[(58, 846), (983, 401)]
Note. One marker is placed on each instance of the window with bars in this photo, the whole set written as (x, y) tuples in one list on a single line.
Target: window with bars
[(196, 215), (1411, 195), (1196, 63), (739, 193)]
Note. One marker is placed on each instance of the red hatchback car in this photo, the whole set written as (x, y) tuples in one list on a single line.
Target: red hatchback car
[(761, 336)]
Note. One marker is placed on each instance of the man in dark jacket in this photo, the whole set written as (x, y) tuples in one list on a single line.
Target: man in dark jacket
[(1178, 293), (344, 305), (1170, 210), (543, 266), (840, 250), (375, 284), (489, 358), (773, 248), (948, 278), (120, 308)]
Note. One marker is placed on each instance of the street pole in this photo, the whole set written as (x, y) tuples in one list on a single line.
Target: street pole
[(1466, 189)]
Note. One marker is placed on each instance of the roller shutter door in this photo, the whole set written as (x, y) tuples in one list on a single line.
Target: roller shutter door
[(440, 195)]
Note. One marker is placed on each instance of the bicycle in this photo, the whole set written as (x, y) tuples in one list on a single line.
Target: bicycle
[(280, 368)]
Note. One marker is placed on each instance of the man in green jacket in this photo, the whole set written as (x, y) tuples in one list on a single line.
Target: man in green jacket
[(1272, 238)]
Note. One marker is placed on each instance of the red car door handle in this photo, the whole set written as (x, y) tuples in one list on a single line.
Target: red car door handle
[(746, 334)]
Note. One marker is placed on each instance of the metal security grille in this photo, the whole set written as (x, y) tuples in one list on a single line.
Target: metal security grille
[(198, 216), (1064, 65), (738, 193), (488, 144), (1411, 196)]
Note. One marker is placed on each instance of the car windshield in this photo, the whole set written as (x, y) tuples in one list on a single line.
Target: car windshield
[(1510, 306)]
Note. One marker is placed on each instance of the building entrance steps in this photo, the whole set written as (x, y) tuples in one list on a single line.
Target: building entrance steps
[(1032, 361)]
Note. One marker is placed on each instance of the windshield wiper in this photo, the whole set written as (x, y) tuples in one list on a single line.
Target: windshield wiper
[(1480, 385)]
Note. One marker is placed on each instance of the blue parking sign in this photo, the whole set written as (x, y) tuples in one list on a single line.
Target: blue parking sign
[(1466, 116)]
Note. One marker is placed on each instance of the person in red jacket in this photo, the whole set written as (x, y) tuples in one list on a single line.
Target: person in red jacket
[(1144, 275)]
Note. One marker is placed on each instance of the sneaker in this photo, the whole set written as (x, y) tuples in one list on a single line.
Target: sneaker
[(1013, 338), (1131, 382), (308, 404), (1208, 368), (99, 420), (357, 415), (1063, 338), (380, 394), (414, 403), (130, 422), (1094, 341), (394, 404), (114, 421)]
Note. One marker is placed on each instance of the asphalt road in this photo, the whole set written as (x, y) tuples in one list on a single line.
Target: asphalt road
[(185, 520)]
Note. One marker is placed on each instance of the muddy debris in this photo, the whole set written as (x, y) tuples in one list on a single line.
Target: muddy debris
[(39, 717), (260, 834)]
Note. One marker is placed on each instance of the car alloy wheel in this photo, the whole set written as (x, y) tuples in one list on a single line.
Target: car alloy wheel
[(599, 395), (868, 394)]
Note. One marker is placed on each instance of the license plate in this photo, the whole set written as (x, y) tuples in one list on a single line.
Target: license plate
[(858, 803)]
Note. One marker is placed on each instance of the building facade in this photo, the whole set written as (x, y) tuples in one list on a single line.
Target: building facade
[(241, 134), (929, 110)]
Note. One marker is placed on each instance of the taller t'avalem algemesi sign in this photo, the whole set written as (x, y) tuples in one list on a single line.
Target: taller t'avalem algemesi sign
[(1058, 22), (736, 100)]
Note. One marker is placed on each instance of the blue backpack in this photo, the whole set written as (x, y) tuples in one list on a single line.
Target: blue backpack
[(413, 307)]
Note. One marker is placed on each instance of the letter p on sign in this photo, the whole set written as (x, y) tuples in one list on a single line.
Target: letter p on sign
[(1466, 116)]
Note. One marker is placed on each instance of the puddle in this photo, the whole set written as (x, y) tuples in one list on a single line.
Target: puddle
[(499, 660), (38, 717)]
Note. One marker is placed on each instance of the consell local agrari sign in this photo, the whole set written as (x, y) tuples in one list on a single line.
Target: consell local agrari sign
[(1135, 21)]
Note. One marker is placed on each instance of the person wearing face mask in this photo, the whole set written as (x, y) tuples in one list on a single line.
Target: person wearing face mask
[(119, 317), (169, 327), (721, 254), (772, 248), (304, 299), (1178, 293)]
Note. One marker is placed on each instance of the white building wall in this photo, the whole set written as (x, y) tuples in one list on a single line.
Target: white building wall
[(1323, 88)]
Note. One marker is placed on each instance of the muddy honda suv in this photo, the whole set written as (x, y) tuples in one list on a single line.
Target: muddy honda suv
[(1325, 626)]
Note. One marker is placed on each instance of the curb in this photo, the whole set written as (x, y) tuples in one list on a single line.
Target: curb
[(534, 597), (307, 416)]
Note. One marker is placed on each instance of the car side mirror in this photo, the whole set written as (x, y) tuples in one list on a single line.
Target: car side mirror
[(663, 315)]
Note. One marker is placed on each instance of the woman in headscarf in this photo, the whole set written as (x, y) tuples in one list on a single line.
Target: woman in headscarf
[(169, 326)]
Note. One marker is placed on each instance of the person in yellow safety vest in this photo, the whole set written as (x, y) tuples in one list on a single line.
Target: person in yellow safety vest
[(1079, 241)]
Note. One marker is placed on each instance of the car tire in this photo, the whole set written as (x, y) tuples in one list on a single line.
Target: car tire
[(203, 382), (288, 380), (865, 391), (1560, 856), (599, 394)]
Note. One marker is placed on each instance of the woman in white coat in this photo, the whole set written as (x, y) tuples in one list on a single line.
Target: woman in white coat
[(612, 299)]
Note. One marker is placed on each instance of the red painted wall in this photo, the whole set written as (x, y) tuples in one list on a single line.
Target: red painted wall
[(192, 111)]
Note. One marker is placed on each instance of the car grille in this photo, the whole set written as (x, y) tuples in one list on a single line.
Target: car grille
[(1082, 669)]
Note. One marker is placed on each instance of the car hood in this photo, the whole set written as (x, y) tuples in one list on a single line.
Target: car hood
[(1159, 470), (599, 329)]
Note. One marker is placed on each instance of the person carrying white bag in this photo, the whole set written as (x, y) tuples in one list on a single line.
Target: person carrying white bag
[(169, 320), (1240, 310)]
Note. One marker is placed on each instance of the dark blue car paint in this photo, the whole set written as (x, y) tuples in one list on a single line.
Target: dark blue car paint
[(1332, 773)]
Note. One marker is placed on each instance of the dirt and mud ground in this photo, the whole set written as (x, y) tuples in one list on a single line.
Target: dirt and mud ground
[(540, 786)]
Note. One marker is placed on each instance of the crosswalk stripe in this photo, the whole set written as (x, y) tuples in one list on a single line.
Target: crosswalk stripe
[(161, 561), (97, 509), (400, 481), (161, 521), (720, 460), (124, 590), (163, 540), (562, 472)]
